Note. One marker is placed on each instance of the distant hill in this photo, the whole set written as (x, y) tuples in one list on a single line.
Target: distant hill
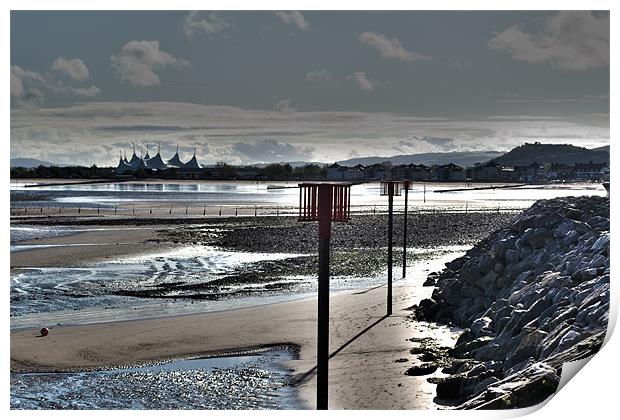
[(295, 164), (552, 153), (458, 158), (601, 148), (30, 163)]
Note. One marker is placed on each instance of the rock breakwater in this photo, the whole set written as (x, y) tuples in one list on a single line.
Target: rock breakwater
[(530, 297)]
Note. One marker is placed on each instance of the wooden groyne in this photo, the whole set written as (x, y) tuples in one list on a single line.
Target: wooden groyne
[(494, 187), (98, 181)]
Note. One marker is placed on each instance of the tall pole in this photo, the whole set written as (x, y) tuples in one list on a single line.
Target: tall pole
[(390, 210), (325, 204), (406, 185)]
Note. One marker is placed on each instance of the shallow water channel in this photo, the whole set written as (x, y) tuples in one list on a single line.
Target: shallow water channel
[(252, 381)]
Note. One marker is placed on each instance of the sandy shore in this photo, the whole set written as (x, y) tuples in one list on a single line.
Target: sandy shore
[(92, 246), (365, 345), (363, 371)]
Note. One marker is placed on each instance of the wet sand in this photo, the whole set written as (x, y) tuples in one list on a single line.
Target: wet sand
[(363, 371), (365, 345), (93, 246)]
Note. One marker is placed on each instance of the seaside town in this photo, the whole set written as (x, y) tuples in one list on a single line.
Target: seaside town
[(145, 166)]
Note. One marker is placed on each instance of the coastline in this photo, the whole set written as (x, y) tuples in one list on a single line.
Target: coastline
[(355, 358), (371, 353)]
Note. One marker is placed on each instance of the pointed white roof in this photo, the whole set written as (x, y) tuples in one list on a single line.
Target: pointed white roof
[(192, 163), (134, 161), (156, 162), (176, 160), (122, 167)]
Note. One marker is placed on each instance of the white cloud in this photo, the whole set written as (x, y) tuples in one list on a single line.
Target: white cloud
[(83, 133), (196, 22), (17, 87), (575, 41), (29, 88), (362, 81), (138, 59), (74, 68), (285, 105), (295, 18), (320, 75), (60, 88), (390, 47), (265, 151), (21, 76)]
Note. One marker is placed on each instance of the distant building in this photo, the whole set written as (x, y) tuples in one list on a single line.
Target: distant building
[(377, 171), (489, 171), (591, 171), (558, 171), (530, 173), (419, 173), (191, 168), (448, 173), (509, 174), (335, 172)]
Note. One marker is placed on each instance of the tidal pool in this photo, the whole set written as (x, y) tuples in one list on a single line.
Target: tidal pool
[(254, 381)]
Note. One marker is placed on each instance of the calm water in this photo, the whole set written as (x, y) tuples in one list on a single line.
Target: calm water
[(215, 193), (257, 381)]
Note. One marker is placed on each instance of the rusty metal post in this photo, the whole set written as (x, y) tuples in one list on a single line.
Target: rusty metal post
[(389, 262), (325, 210), (406, 185), (323, 202)]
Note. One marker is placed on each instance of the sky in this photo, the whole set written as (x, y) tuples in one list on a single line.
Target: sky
[(250, 87)]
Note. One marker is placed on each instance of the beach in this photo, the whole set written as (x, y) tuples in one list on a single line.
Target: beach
[(131, 290), (366, 371), (363, 342)]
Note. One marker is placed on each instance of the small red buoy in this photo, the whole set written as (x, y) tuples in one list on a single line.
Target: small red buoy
[(44, 332)]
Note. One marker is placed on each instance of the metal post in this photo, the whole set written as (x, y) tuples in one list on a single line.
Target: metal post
[(406, 184), (390, 210), (325, 203)]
